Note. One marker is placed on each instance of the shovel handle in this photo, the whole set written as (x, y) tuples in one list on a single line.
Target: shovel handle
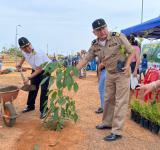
[(22, 74)]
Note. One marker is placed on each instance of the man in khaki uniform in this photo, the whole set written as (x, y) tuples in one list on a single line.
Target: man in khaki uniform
[(107, 47)]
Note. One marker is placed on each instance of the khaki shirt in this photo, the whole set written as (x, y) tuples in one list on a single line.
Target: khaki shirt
[(111, 52)]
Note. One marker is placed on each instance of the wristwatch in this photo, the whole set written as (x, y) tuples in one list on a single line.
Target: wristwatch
[(29, 78)]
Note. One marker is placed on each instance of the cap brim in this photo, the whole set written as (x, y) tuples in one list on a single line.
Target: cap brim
[(100, 27)]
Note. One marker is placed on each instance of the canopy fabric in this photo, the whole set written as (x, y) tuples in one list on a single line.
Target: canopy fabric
[(139, 30)]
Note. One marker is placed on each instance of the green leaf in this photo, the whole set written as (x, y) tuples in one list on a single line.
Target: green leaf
[(67, 105), (64, 85), (45, 102), (45, 108), (51, 81), (56, 109), (63, 112), (70, 116), (67, 98), (72, 103), (36, 147), (49, 123), (54, 95), (75, 117), (58, 127), (59, 77), (73, 108), (46, 71), (59, 93), (75, 85), (62, 122), (44, 80), (59, 84), (75, 71), (58, 72), (52, 105), (69, 68), (55, 117), (65, 73), (62, 101), (70, 86), (49, 92), (38, 140), (51, 66), (44, 64), (68, 80), (68, 112), (60, 64)]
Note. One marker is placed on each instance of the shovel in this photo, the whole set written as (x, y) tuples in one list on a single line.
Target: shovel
[(27, 87)]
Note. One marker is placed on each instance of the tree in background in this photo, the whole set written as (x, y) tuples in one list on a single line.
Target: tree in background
[(11, 50)]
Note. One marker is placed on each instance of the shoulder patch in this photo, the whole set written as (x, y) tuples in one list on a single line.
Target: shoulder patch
[(34, 52), (89, 49), (116, 34), (94, 41)]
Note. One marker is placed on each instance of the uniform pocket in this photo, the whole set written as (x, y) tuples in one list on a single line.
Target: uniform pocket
[(98, 54)]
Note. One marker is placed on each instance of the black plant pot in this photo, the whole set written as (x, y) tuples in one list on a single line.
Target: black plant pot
[(141, 121), (132, 114), (138, 119), (135, 117), (159, 131), (155, 128), (150, 126), (146, 124)]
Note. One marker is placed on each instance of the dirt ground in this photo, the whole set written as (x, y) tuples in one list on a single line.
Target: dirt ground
[(25, 134)]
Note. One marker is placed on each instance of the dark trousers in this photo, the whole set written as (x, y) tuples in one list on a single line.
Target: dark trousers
[(33, 94)]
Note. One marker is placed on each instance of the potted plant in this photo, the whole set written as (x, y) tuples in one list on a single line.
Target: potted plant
[(135, 110), (154, 114), (146, 107)]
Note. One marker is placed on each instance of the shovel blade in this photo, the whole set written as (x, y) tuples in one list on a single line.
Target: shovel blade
[(27, 87)]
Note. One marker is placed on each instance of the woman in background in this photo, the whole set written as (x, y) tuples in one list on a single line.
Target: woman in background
[(136, 61)]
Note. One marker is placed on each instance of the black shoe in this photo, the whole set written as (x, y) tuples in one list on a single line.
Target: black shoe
[(100, 110), (43, 115), (112, 137), (27, 109), (103, 127)]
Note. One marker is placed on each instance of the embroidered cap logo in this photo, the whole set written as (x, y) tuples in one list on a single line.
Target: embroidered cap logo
[(22, 41), (98, 22)]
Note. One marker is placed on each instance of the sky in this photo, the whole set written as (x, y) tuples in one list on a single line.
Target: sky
[(66, 25)]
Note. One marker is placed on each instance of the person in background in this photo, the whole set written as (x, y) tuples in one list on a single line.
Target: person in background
[(143, 66), (101, 80), (80, 59), (149, 87), (35, 57), (136, 61), (77, 58), (54, 58), (85, 67), (69, 60)]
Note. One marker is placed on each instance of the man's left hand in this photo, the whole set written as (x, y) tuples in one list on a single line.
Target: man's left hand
[(125, 69), (135, 73), (26, 81)]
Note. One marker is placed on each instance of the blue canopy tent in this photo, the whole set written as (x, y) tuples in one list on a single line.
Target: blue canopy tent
[(139, 30)]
